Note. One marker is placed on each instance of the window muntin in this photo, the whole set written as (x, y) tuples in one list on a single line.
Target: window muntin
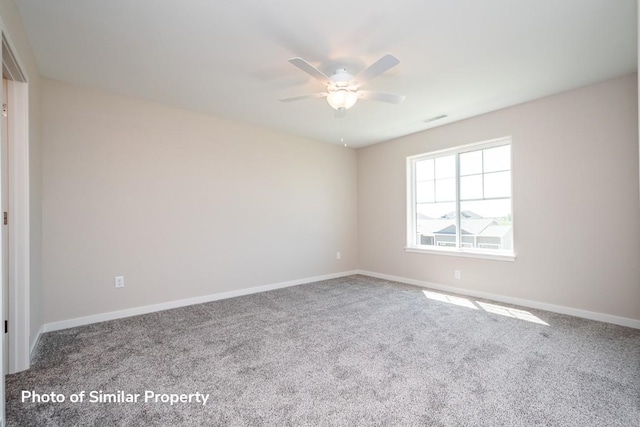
[(460, 199)]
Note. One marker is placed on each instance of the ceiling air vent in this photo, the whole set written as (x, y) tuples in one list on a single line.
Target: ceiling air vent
[(433, 119)]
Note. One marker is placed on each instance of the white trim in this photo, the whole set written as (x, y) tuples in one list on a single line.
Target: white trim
[(10, 64), (412, 244), (15, 56), (585, 314), (19, 271), (19, 319), (19, 223), (465, 253), (96, 318)]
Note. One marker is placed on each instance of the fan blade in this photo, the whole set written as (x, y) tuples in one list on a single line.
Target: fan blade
[(374, 70), (299, 98), (378, 96), (311, 70), (341, 113)]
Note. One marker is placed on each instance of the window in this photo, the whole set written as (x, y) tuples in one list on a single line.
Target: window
[(459, 201)]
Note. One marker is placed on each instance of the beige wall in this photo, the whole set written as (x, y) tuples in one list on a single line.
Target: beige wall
[(22, 49), (181, 204), (186, 205), (575, 201)]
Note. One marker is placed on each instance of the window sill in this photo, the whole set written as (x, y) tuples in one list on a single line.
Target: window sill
[(464, 253)]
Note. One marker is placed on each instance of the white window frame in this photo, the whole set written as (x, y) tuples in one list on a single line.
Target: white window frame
[(457, 250)]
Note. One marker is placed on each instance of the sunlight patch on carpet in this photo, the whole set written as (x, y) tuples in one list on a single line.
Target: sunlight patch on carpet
[(489, 308), (511, 312), (462, 302)]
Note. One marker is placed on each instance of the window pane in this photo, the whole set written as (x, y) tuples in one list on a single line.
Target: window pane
[(487, 224), (497, 184), (494, 209), (445, 167), (471, 187), (471, 163), (481, 179), (436, 224), (445, 190), (424, 170), (497, 159), (425, 192), (436, 210)]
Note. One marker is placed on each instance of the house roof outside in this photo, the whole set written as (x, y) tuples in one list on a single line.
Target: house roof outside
[(448, 226), (495, 231)]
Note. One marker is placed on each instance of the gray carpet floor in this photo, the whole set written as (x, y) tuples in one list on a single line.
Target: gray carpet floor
[(352, 351)]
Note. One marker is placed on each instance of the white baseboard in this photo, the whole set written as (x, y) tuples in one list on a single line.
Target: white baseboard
[(591, 315), (102, 317)]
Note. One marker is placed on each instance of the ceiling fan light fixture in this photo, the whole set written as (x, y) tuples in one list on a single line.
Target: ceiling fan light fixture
[(342, 98), (343, 89)]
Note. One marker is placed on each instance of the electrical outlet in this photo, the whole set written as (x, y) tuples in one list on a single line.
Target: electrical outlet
[(338, 255), (456, 273), (119, 281)]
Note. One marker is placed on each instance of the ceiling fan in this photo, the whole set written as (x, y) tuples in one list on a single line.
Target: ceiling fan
[(343, 89)]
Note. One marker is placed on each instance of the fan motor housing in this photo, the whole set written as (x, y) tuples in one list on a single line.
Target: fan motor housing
[(340, 79)]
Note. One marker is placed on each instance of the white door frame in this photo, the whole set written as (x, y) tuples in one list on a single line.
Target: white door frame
[(19, 252)]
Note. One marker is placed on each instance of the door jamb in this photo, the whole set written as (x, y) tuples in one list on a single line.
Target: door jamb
[(19, 251)]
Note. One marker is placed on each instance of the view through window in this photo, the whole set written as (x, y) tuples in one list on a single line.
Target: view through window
[(461, 199)]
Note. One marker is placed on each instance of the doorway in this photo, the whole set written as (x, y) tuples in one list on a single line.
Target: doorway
[(14, 215), (4, 221)]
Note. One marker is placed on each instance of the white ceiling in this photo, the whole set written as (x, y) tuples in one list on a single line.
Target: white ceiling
[(229, 58)]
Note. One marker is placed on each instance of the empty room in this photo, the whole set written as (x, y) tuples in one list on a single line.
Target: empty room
[(339, 213)]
